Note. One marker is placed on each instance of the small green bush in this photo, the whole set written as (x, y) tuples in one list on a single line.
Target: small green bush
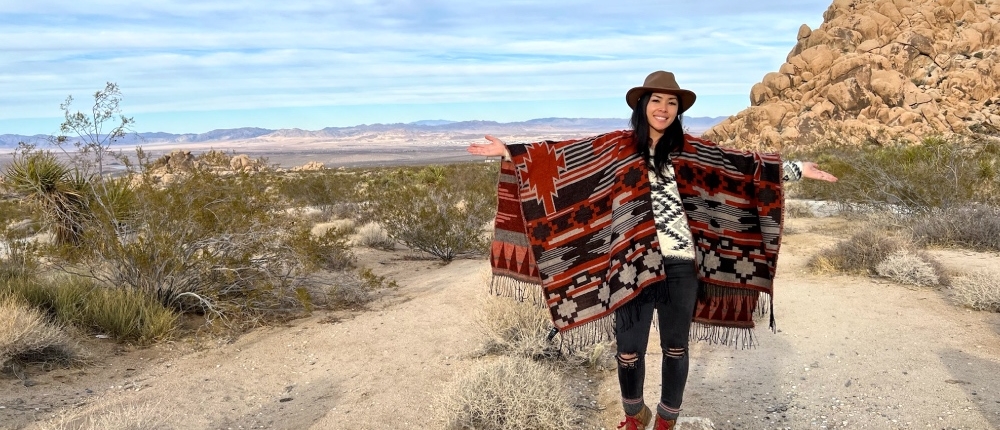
[(328, 251), (508, 393), (978, 290)]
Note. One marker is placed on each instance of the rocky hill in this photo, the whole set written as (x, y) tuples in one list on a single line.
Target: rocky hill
[(879, 70)]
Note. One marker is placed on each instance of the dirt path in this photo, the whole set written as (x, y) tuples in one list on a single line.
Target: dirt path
[(850, 353)]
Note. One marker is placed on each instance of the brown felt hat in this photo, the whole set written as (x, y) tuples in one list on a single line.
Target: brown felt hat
[(661, 82)]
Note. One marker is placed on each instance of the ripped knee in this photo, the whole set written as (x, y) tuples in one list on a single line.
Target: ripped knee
[(675, 352), (627, 360)]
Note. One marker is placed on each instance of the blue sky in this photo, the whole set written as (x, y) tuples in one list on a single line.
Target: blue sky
[(194, 66)]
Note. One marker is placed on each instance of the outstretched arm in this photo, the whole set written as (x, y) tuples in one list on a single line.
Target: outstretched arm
[(812, 171), (796, 170), (495, 148)]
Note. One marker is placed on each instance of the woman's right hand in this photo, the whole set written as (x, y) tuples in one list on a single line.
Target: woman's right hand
[(496, 148)]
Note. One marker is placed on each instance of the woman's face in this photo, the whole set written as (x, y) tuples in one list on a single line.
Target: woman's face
[(661, 112)]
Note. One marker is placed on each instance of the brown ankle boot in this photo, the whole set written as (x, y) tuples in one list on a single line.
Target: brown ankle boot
[(662, 424), (638, 421)]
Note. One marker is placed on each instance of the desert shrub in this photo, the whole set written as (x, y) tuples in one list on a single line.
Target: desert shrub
[(978, 290), (438, 210), (215, 158), (12, 210), (513, 327), (912, 268), (26, 334), (336, 191), (200, 240), (860, 254), (357, 289), (798, 210), (373, 235), (372, 281), (974, 226), (328, 250), (505, 394), (935, 173), (18, 257)]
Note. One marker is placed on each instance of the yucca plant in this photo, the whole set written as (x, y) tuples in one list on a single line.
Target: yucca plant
[(52, 188)]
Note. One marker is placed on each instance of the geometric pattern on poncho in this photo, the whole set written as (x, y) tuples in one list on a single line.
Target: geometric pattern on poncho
[(589, 222)]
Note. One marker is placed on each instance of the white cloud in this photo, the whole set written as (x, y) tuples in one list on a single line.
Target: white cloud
[(207, 55)]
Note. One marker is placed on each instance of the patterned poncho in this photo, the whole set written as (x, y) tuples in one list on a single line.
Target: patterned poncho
[(576, 218)]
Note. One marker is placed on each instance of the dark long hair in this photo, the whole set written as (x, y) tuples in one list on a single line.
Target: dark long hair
[(672, 139)]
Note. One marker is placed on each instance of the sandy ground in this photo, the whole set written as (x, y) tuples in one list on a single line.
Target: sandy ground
[(850, 353)]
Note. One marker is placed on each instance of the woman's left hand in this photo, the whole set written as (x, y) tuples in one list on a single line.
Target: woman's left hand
[(811, 170)]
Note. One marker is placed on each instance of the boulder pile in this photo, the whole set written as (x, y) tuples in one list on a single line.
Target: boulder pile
[(879, 70)]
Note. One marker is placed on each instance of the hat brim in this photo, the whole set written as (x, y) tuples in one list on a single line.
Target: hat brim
[(686, 97)]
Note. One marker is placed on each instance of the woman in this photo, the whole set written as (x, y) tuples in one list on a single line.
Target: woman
[(617, 225)]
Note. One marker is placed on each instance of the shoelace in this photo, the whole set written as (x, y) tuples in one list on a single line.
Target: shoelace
[(630, 420)]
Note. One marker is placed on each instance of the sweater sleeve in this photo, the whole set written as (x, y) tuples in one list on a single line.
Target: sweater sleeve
[(792, 171)]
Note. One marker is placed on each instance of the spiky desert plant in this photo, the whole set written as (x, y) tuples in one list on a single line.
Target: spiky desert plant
[(56, 190)]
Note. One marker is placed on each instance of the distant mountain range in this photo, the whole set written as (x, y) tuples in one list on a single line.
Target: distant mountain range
[(695, 125)]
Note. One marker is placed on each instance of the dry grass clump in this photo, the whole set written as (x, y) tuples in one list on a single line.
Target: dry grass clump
[(26, 335), (127, 315), (102, 416), (861, 254), (976, 227), (978, 290), (516, 328), (509, 393), (373, 235), (912, 268), (345, 225)]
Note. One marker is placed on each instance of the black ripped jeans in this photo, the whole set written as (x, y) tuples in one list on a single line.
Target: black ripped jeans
[(674, 301)]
